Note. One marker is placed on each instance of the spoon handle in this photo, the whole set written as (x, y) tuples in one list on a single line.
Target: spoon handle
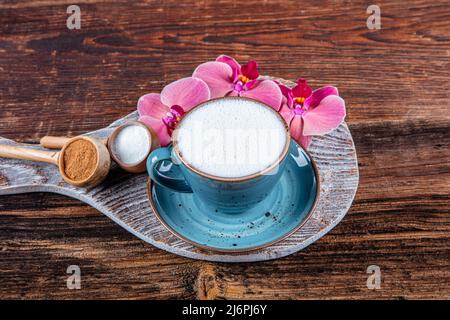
[(52, 142), (23, 153)]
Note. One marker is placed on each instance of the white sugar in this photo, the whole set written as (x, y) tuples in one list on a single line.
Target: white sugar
[(132, 144), (231, 137)]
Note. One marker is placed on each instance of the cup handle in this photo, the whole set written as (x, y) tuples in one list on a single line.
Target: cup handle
[(176, 184)]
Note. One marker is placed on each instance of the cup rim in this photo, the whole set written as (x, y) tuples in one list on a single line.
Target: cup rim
[(281, 157)]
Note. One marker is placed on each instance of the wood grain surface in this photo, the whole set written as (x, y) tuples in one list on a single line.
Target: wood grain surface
[(395, 82)]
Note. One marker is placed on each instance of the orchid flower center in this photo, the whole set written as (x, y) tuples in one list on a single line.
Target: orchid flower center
[(299, 107), (299, 110), (173, 117), (243, 78), (300, 93), (300, 100), (247, 73)]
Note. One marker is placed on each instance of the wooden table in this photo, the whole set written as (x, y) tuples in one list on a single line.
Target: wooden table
[(396, 85)]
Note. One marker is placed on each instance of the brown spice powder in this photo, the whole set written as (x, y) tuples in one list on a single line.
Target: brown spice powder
[(80, 160)]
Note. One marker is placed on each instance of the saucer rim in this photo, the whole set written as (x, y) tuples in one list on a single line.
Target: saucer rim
[(150, 184)]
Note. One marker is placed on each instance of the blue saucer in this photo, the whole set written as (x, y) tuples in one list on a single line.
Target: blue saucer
[(284, 211)]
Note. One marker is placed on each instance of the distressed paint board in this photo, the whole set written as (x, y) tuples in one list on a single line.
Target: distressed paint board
[(123, 196)]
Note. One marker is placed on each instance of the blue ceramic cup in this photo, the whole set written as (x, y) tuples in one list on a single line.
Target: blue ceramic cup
[(167, 168)]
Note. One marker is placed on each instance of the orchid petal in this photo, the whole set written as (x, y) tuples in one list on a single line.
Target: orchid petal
[(287, 95), (151, 105), (319, 94), (327, 116), (250, 70), (287, 113), (267, 92), (234, 65), (284, 102), (250, 84), (177, 110), (186, 92), (305, 141), (218, 77), (301, 90), (159, 127), (296, 129)]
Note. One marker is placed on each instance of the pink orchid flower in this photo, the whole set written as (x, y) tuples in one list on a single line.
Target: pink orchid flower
[(226, 77), (310, 113), (162, 112)]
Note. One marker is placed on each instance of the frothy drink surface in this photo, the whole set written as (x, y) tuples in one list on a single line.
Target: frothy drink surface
[(231, 138)]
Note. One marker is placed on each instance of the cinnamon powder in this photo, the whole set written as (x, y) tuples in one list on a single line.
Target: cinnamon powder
[(80, 160)]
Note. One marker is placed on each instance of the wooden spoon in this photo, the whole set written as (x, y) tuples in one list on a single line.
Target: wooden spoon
[(52, 142), (57, 158)]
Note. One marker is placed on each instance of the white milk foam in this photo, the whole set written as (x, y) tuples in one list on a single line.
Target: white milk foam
[(231, 137)]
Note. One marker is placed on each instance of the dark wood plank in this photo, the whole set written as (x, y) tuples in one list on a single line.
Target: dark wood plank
[(41, 238), (57, 81)]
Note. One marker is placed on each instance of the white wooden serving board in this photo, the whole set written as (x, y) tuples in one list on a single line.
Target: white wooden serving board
[(123, 196)]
